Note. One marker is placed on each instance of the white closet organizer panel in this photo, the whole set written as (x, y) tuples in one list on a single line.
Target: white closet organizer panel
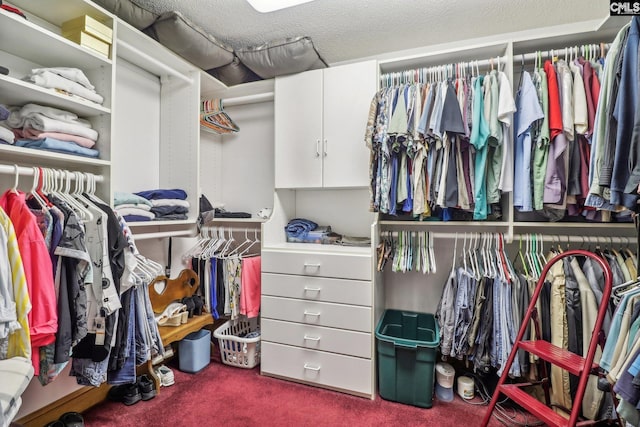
[(317, 367), (342, 316), (344, 291), (345, 266), (317, 338)]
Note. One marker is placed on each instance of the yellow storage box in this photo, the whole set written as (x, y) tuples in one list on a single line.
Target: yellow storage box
[(88, 41), (89, 25)]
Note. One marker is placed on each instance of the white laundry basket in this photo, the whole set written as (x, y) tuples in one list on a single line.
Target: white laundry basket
[(235, 349)]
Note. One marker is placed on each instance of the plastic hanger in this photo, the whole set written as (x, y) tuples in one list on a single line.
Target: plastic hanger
[(34, 192), (16, 169), (256, 240)]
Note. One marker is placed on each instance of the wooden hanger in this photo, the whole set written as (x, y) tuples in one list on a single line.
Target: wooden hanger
[(185, 285)]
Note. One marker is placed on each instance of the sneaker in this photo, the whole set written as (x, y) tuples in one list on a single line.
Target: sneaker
[(165, 374), (146, 387), (125, 393)]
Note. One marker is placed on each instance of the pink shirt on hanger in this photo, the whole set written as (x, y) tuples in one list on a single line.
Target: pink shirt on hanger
[(43, 317)]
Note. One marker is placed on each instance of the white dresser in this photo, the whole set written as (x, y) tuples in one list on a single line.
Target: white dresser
[(317, 320)]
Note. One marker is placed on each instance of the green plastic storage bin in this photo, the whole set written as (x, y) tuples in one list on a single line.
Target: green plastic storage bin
[(406, 346)]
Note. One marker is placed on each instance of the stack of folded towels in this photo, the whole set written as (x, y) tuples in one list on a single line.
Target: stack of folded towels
[(167, 204), (69, 81), (48, 128), (152, 205), (132, 207)]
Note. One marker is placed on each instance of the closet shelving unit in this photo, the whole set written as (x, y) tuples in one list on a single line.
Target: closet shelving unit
[(156, 110), (317, 300), (35, 43)]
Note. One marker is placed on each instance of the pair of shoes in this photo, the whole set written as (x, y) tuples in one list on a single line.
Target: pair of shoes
[(194, 305), (168, 352), (175, 314), (129, 394), (68, 419), (147, 387), (165, 374)]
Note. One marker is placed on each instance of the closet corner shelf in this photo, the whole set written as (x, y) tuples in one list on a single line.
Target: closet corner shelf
[(15, 92), (26, 39), (41, 155)]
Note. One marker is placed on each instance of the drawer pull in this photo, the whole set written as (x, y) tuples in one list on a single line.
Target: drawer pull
[(311, 367), (310, 338), (308, 289), (309, 265), (311, 313)]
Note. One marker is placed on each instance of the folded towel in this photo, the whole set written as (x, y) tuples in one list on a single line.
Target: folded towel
[(169, 210), (18, 114), (30, 133), (135, 218), (134, 205), (170, 202), (135, 211), (52, 144), (73, 74), (44, 123), (7, 135), (50, 80), (163, 194), (121, 198)]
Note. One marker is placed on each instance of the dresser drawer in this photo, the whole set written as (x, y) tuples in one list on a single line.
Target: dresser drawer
[(317, 337), (340, 265), (352, 317), (356, 292), (317, 367)]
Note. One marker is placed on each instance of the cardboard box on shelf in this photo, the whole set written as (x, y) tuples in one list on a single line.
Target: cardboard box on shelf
[(88, 41), (88, 25)]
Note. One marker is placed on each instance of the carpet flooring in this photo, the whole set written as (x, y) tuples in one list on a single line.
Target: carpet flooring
[(229, 396)]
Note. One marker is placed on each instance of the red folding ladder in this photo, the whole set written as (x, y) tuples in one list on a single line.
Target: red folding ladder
[(574, 363)]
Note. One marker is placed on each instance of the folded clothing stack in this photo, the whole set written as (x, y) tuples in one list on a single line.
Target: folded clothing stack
[(167, 204), (52, 129), (300, 230), (132, 207), (68, 81)]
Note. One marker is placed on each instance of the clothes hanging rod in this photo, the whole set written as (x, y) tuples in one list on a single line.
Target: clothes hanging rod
[(249, 99), (502, 60), (28, 171), (163, 234), (249, 228), (554, 238), (148, 58), (562, 51)]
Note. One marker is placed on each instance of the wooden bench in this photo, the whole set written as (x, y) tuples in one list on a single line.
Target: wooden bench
[(185, 285)]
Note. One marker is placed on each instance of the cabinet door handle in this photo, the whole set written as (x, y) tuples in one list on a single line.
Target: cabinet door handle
[(317, 148), (311, 313), (324, 149), (311, 367), (310, 265), (310, 289), (310, 338)]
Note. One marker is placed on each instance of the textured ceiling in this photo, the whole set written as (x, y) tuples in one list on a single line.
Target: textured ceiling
[(344, 30)]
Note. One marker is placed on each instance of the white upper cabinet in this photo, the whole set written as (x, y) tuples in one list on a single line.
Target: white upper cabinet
[(320, 120)]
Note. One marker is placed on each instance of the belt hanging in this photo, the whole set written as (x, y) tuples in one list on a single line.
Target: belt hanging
[(167, 269)]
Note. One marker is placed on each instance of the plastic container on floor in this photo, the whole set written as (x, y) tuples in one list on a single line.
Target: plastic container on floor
[(406, 347), (194, 351), (239, 342)]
